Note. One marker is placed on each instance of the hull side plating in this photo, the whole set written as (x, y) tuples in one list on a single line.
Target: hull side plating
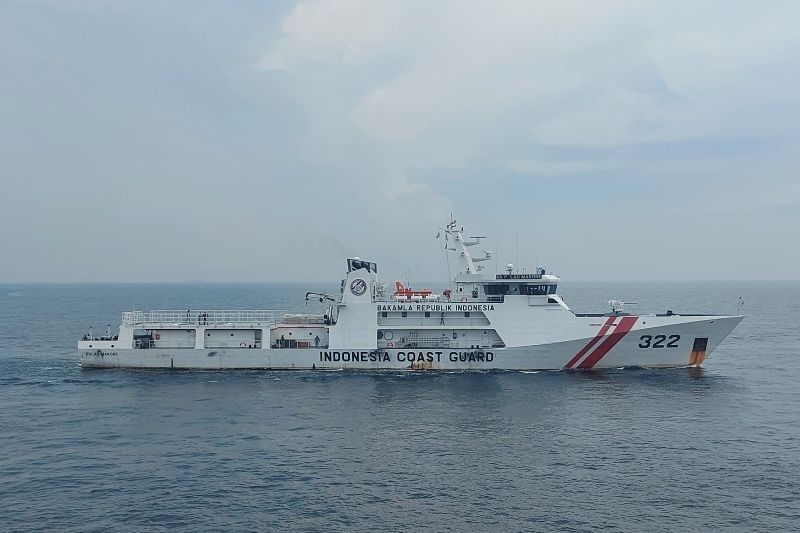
[(639, 346)]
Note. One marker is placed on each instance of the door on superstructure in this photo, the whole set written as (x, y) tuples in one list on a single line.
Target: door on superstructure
[(485, 339)]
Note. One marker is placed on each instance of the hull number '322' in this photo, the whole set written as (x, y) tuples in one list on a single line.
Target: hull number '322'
[(658, 341)]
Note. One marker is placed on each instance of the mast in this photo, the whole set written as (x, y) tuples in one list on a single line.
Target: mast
[(462, 245)]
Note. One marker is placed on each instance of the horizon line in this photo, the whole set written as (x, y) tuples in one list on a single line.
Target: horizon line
[(241, 282)]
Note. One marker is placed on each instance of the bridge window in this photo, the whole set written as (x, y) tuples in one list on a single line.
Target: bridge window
[(537, 290), (495, 288)]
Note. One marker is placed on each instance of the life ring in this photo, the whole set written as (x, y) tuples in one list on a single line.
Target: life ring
[(388, 335), (463, 298), (157, 336), (242, 344)]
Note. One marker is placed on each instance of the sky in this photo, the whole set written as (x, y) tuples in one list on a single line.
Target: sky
[(268, 141)]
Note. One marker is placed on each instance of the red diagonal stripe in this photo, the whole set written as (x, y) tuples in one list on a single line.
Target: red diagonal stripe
[(592, 342), (621, 330)]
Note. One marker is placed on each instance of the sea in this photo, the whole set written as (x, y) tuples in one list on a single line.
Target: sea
[(713, 448)]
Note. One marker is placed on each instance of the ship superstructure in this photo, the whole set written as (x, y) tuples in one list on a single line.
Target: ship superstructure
[(510, 321)]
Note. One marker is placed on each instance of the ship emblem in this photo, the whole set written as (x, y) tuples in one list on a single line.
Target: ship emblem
[(358, 287)]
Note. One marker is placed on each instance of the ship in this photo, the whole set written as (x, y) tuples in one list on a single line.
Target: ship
[(511, 320)]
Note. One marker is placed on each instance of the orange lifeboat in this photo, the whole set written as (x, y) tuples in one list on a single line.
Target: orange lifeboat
[(405, 293)]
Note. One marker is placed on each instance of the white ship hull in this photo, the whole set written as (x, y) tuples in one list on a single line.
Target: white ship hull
[(613, 342), (511, 321)]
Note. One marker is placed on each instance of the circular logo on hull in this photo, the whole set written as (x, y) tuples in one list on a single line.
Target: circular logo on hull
[(358, 287)]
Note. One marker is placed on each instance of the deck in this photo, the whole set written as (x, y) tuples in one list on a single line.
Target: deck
[(203, 317)]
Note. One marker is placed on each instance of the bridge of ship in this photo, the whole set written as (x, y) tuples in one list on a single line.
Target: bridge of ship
[(495, 290)]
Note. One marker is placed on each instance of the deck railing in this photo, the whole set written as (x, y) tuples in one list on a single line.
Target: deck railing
[(210, 317)]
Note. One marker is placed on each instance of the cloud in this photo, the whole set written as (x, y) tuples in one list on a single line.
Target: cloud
[(399, 94), (560, 168), (359, 125), (576, 73), (325, 34)]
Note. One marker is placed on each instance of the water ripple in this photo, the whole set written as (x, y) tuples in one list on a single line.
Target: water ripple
[(627, 449)]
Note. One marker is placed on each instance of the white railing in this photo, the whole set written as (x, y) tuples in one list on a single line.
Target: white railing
[(213, 317)]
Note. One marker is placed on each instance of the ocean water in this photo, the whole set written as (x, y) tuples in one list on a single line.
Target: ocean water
[(716, 448)]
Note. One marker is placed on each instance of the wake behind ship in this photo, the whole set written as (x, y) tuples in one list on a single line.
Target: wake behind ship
[(512, 321)]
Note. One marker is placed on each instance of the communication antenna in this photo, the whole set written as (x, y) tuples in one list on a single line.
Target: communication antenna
[(496, 251), (407, 276)]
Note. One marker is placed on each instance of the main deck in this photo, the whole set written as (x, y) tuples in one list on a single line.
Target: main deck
[(205, 318)]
